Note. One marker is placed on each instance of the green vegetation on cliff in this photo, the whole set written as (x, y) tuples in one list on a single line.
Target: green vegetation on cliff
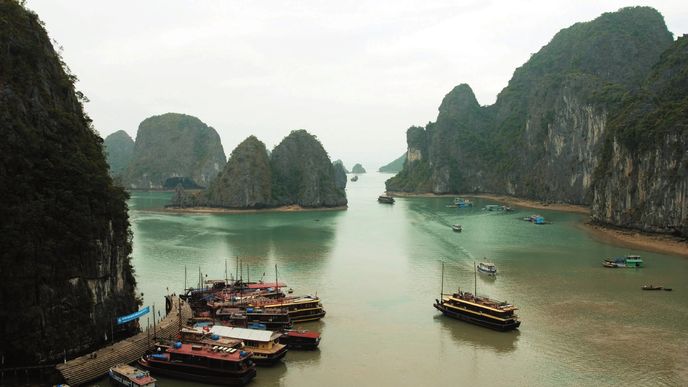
[(173, 146), (541, 138), (119, 148), (245, 182), (65, 270), (303, 174)]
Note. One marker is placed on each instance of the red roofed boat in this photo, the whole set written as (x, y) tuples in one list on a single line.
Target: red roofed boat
[(126, 375), (300, 339), (202, 363)]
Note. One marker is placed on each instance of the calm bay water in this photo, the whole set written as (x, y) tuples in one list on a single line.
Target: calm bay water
[(377, 269)]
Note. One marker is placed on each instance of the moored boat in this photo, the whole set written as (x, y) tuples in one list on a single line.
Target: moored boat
[(201, 363), (263, 344), (126, 375), (301, 309), (274, 318), (487, 268), (457, 227), (462, 203), (300, 339)]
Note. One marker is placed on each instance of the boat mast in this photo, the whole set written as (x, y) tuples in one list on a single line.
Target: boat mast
[(276, 283), (236, 277), (185, 279), (475, 280), (225, 271), (442, 282)]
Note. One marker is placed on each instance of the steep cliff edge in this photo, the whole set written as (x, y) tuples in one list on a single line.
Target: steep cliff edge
[(642, 180), (340, 178), (65, 271), (171, 148), (543, 136), (119, 148)]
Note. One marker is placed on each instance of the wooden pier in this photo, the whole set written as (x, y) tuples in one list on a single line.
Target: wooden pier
[(94, 365)]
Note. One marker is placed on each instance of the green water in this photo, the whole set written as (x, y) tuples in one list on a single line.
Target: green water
[(377, 269)]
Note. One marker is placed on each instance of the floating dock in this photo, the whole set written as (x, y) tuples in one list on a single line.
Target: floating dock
[(96, 364)]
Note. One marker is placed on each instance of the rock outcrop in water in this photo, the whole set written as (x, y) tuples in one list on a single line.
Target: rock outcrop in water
[(173, 148), (358, 168), (395, 166), (119, 148), (246, 181), (545, 135), (65, 270), (340, 178), (297, 172), (302, 173)]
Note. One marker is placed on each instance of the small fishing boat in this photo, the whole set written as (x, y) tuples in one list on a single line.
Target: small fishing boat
[(462, 203), (627, 261), (651, 287), (126, 375), (457, 227), (487, 268), (355, 178), (385, 199), (451, 206), (536, 219)]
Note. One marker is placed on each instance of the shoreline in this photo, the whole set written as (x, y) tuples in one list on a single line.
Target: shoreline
[(636, 239), (216, 210), (510, 200), (631, 238)]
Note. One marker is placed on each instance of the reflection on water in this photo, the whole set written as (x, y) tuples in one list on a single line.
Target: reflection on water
[(478, 337)]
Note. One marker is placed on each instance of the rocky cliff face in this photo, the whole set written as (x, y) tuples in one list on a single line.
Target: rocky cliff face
[(642, 180), (245, 181), (339, 175), (64, 266), (543, 137), (119, 148), (303, 174), (174, 146)]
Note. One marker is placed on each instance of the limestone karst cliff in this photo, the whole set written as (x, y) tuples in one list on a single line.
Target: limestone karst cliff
[(297, 172), (245, 182), (358, 168), (394, 166), (119, 148), (65, 270), (642, 178), (303, 174), (340, 178), (544, 136), (174, 147)]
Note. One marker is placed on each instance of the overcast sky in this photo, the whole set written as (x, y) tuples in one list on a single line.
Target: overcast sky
[(356, 74)]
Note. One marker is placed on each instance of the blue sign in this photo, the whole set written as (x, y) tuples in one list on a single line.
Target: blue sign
[(133, 316)]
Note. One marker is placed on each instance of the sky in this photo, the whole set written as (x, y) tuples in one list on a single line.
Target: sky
[(356, 74)]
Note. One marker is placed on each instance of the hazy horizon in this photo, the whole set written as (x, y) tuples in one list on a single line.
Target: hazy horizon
[(356, 75)]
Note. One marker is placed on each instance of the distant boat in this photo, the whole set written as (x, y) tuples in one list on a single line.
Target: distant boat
[(487, 268), (457, 227), (497, 207), (461, 202), (385, 199), (355, 178), (651, 287), (537, 219), (627, 261), (451, 206)]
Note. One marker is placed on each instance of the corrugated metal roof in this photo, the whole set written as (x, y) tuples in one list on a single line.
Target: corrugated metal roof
[(243, 333)]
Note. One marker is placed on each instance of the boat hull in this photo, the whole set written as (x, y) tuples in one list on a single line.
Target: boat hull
[(196, 374), (477, 320), (268, 360)]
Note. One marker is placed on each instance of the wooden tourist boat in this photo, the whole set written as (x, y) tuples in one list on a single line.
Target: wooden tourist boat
[(264, 344), (201, 363), (272, 318), (126, 375), (300, 339), (478, 310), (487, 268), (630, 261)]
